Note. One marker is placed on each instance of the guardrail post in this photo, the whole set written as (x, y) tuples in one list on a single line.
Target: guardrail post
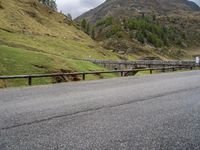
[(151, 71), (122, 74), (29, 81), (83, 76), (163, 70)]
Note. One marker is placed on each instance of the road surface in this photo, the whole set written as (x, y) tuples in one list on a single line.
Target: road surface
[(151, 112)]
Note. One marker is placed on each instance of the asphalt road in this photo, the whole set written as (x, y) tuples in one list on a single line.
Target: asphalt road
[(150, 112)]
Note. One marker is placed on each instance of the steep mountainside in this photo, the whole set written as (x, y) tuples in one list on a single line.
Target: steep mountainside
[(140, 27), (121, 8), (36, 39)]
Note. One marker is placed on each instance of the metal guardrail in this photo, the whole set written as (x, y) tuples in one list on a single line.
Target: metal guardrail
[(83, 74)]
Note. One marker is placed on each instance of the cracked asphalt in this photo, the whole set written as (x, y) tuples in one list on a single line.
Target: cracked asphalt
[(156, 112)]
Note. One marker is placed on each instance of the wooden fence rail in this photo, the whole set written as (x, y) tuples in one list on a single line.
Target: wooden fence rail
[(126, 64), (83, 74), (144, 62)]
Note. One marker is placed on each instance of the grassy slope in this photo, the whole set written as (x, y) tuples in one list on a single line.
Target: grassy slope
[(34, 39)]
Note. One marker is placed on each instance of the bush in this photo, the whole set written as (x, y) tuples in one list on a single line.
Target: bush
[(114, 29), (140, 37), (154, 39)]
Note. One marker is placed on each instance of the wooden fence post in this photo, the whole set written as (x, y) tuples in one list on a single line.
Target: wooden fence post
[(151, 71), (122, 74), (29, 81), (163, 68), (83, 76)]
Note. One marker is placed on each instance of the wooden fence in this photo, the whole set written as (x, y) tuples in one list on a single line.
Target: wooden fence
[(146, 62), (83, 74), (122, 64)]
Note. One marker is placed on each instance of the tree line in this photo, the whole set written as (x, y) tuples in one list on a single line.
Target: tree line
[(50, 3), (145, 29), (87, 28)]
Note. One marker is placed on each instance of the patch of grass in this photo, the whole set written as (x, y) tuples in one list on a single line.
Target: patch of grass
[(16, 61), (20, 61), (57, 46), (142, 73)]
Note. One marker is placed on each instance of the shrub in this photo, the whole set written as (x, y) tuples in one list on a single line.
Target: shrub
[(140, 37), (114, 29), (106, 22), (154, 39)]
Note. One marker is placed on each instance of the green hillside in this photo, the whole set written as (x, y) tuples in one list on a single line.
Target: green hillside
[(146, 36), (35, 39), (168, 29)]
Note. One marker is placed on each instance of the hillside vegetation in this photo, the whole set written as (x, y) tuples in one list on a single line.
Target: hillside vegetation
[(36, 39), (143, 29), (161, 28)]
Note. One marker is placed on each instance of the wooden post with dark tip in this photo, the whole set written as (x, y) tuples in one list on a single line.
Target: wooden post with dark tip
[(163, 70), (83, 76), (122, 74), (29, 81)]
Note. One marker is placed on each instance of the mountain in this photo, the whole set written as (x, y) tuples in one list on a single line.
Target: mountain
[(193, 5), (169, 28), (36, 39), (121, 8), (196, 1)]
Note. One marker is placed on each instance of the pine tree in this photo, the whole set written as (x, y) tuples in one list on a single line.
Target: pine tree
[(49, 3), (93, 33), (88, 29), (83, 23), (69, 16)]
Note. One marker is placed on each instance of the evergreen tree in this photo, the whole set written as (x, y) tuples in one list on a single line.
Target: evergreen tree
[(83, 23), (69, 16), (93, 33), (49, 3), (85, 26), (88, 29)]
